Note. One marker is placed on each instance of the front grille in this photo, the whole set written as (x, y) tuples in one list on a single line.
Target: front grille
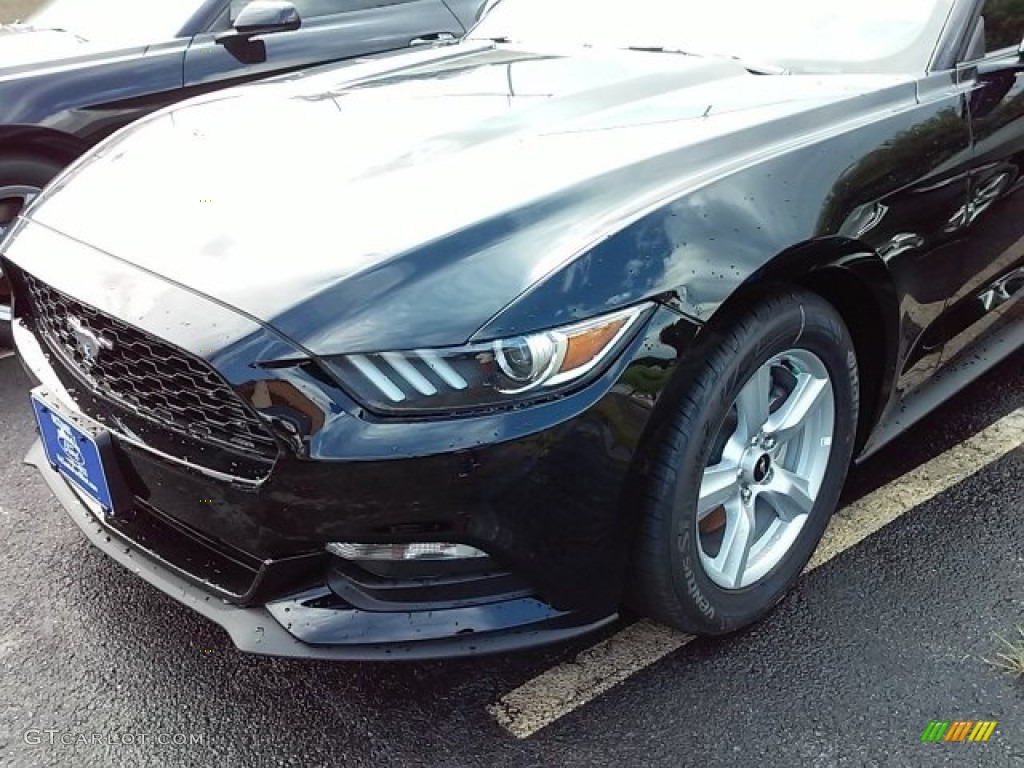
[(150, 378)]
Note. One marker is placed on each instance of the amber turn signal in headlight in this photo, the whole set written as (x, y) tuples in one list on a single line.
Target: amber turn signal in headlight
[(490, 373)]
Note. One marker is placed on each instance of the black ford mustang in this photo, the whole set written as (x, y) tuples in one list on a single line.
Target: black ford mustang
[(465, 348), (78, 70)]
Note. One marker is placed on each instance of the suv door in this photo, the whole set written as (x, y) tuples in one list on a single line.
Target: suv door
[(331, 30)]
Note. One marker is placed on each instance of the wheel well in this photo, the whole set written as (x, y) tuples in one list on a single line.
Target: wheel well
[(864, 318), (855, 282), (39, 142), (859, 287)]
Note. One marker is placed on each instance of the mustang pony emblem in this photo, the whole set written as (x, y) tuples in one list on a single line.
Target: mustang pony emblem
[(88, 344)]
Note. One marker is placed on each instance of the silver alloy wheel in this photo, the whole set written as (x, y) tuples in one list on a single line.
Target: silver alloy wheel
[(766, 469), (13, 200)]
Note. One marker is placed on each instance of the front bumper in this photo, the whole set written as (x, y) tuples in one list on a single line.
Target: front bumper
[(257, 629), (241, 538)]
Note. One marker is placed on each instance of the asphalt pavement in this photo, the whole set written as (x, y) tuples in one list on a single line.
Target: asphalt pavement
[(99, 669)]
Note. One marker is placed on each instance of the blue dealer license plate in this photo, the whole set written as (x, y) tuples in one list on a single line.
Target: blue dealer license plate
[(73, 451)]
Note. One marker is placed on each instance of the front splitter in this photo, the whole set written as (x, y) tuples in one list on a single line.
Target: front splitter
[(254, 629)]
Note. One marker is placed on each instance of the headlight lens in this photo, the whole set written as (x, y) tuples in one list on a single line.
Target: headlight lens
[(488, 374), (525, 359)]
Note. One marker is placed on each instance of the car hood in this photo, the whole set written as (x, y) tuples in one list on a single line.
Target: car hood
[(403, 202), (21, 45)]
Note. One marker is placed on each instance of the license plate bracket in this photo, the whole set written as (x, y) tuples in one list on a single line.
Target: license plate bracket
[(81, 451)]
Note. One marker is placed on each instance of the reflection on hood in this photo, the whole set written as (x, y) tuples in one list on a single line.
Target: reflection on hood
[(22, 44)]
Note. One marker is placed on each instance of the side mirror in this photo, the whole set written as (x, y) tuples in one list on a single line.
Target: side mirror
[(1003, 65), (998, 78), (262, 17)]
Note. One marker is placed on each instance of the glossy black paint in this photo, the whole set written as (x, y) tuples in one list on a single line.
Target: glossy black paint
[(59, 105), (60, 96), (638, 177), (256, 630), (475, 482)]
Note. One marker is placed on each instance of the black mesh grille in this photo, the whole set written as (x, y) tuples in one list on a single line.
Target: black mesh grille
[(149, 377)]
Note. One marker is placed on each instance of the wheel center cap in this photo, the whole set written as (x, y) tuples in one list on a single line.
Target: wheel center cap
[(755, 467), (761, 467)]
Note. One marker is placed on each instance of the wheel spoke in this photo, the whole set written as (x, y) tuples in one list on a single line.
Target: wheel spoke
[(752, 403), (731, 561), (755, 500), (787, 494), (719, 485), (792, 415)]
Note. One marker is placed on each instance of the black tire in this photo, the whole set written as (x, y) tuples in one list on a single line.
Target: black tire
[(21, 170), (27, 170), (669, 581)]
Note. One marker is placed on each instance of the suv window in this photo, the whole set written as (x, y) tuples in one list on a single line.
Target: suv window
[(311, 9), (1004, 23)]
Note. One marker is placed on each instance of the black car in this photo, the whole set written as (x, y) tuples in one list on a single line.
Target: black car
[(466, 348), (78, 70)]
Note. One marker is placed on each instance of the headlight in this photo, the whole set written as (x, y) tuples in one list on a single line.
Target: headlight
[(488, 374)]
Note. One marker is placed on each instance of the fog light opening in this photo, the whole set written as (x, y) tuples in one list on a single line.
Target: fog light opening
[(403, 552)]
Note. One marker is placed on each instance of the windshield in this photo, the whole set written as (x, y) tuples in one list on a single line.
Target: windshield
[(802, 35), (121, 21)]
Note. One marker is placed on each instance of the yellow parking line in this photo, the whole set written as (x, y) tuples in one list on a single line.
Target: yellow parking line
[(568, 686)]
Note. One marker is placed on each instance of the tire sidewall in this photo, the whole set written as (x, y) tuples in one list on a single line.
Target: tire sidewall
[(32, 171), (28, 171), (816, 329)]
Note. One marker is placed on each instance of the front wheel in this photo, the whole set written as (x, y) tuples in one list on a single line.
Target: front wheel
[(749, 471), (21, 178)]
